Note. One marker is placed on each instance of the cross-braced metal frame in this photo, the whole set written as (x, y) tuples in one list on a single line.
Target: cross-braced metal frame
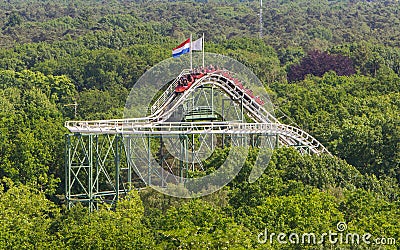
[(105, 159), (96, 169), (102, 167)]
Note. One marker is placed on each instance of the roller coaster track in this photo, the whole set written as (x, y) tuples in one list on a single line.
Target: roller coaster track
[(157, 121)]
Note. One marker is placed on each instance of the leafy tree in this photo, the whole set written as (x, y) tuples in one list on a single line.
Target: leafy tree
[(368, 214), (26, 218), (353, 116), (120, 229), (197, 225), (13, 20), (31, 128), (318, 63), (314, 212)]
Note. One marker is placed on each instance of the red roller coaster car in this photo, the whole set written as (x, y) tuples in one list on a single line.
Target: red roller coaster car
[(182, 88), (186, 81)]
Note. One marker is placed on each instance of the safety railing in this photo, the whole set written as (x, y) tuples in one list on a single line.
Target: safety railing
[(155, 123), (161, 101)]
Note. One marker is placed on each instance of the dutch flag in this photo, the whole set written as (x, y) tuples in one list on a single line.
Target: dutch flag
[(183, 48)]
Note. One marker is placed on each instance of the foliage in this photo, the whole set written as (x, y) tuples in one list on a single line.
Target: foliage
[(31, 127), (122, 229), (343, 62), (26, 218), (197, 225), (318, 63), (356, 117)]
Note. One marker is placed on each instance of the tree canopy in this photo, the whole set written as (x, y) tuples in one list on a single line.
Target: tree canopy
[(331, 68)]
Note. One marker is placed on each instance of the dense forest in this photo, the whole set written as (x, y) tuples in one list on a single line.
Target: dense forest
[(331, 66)]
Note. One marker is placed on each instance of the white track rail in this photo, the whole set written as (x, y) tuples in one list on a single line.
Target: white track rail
[(161, 110)]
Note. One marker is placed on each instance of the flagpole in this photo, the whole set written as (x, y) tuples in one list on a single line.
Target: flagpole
[(191, 56), (203, 49)]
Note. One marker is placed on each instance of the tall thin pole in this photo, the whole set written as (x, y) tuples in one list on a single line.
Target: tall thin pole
[(261, 20), (203, 49), (68, 169), (191, 53), (117, 166)]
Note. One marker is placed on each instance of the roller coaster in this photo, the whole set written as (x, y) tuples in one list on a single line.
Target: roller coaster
[(104, 156)]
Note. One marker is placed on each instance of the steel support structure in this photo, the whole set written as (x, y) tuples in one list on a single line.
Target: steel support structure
[(96, 169), (105, 159), (101, 168)]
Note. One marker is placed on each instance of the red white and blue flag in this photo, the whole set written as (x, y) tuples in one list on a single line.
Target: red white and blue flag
[(183, 48)]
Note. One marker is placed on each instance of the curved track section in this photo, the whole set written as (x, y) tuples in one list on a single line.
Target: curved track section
[(169, 101)]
